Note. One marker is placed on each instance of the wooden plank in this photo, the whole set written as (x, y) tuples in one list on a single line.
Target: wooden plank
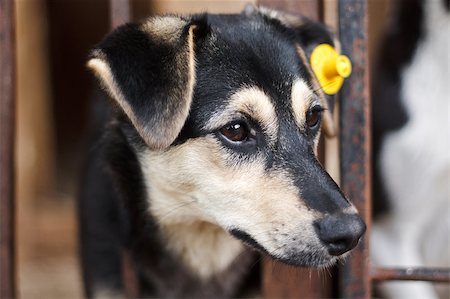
[(7, 121), (356, 141), (282, 281), (198, 6), (308, 8), (119, 12)]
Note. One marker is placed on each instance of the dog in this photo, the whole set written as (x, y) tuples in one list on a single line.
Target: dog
[(411, 107), (209, 155)]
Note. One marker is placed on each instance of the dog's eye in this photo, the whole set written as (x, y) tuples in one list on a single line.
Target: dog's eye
[(313, 116), (236, 132)]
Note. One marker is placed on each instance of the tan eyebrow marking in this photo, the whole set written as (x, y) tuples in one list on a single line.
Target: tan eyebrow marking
[(302, 97), (253, 102)]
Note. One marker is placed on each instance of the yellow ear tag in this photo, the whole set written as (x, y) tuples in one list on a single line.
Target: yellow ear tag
[(330, 68)]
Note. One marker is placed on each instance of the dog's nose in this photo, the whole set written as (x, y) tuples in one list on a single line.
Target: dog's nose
[(340, 232)]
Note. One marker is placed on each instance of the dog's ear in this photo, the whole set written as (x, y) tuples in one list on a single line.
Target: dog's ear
[(149, 70), (307, 34)]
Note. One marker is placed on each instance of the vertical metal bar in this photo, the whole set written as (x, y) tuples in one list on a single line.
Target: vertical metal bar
[(355, 141), (119, 12), (7, 118)]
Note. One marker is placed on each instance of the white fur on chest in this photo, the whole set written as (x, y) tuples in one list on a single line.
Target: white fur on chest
[(204, 248)]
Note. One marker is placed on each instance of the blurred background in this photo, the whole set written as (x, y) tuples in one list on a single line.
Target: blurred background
[(54, 105)]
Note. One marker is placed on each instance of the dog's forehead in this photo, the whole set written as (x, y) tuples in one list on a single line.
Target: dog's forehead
[(243, 51)]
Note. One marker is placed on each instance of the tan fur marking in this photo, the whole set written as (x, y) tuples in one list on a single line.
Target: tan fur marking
[(302, 100), (199, 240), (104, 293), (192, 66), (328, 123), (251, 101), (102, 70), (164, 29), (351, 210), (172, 130), (200, 182)]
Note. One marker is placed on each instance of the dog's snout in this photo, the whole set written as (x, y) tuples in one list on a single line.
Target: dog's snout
[(340, 232)]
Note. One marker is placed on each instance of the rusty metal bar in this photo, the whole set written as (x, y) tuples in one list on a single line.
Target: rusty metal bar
[(7, 125), (413, 273), (355, 142), (119, 12)]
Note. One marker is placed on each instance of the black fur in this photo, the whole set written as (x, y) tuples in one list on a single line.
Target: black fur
[(247, 239), (247, 49)]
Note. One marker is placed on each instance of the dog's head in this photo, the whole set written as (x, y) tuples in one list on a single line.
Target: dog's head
[(230, 114)]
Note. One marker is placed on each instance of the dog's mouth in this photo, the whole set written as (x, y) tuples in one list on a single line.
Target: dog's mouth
[(307, 256), (248, 240)]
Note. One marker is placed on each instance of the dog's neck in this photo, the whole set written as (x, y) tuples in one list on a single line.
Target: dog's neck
[(204, 248)]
